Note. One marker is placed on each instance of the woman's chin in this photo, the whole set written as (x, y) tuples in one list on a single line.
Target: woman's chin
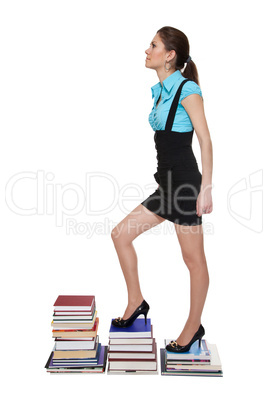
[(147, 65)]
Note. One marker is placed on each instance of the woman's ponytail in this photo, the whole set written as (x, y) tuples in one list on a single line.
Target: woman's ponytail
[(191, 72)]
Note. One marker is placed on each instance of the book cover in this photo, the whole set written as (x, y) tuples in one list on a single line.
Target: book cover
[(133, 365), (137, 330), (195, 353), (130, 348), (78, 344), (74, 302), (75, 313), (130, 341)]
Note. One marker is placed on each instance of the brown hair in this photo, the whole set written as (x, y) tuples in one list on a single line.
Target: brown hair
[(174, 39)]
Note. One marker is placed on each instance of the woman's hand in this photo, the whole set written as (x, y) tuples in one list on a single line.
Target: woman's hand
[(204, 203)]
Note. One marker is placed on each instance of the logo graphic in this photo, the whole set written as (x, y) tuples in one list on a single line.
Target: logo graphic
[(245, 201)]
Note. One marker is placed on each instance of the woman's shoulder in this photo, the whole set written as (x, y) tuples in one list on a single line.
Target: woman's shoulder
[(189, 88)]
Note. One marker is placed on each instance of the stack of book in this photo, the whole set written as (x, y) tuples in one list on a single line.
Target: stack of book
[(77, 348), (132, 350), (202, 362)]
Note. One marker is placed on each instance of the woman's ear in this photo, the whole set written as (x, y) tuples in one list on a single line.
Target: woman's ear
[(171, 56)]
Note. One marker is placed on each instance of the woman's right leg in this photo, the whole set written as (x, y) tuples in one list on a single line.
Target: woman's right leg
[(135, 223)]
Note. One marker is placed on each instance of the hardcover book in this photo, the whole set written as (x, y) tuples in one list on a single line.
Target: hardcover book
[(67, 316), (132, 341), (76, 333), (135, 365), (77, 354), (195, 353), (72, 324), (78, 344), (214, 369), (130, 348), (74, 302), (98, 367), (137, 330), (133, 355)]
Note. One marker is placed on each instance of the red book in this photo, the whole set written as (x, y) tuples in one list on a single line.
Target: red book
[(74, 302)]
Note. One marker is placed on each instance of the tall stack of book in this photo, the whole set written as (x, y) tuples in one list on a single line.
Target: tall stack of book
[(201, 362), (132, 350), (77, 348)]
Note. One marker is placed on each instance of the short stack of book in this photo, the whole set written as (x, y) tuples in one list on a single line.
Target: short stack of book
[(77, 348), (202, 362), (132, 350)]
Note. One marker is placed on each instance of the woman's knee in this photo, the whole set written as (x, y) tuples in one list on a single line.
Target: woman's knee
[(193, 260), (120, 234), (133, 225), (115, 233)]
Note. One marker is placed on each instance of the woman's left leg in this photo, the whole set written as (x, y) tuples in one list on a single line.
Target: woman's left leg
[(192, 248)]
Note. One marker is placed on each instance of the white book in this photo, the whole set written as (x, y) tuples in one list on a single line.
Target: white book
[(127, 365), (129, 341), (131, 348), (75, 345)]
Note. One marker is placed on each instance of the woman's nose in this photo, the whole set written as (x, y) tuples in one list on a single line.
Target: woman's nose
[(147, 51)]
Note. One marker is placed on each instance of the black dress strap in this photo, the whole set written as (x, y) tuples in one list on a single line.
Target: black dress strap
[(174, 105)]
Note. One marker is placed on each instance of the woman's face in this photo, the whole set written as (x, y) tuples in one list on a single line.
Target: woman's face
[(156, 54)]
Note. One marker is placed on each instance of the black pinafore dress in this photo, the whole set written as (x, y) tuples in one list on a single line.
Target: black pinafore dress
[(177, 173)]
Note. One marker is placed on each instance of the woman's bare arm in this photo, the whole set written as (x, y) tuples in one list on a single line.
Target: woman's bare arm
[(193, 104)]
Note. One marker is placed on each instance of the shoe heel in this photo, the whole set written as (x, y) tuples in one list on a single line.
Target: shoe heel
[(145, 317), (200, 340)]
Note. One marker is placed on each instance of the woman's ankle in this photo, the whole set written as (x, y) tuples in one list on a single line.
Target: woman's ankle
[(135, 301)]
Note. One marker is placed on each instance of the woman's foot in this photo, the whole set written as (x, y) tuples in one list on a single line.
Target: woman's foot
[(131, 307), (187, 333), (143, 308), (175, 347)]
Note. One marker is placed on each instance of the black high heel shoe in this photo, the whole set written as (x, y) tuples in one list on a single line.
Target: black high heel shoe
[(142, 309), (175, 347)]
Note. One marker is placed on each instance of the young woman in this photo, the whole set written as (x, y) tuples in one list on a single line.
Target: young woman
[(183, 194)]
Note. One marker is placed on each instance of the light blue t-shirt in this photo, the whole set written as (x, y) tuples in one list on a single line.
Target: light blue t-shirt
[(158, 116)]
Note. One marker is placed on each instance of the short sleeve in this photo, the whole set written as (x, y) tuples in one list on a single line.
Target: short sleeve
[(189, 88)]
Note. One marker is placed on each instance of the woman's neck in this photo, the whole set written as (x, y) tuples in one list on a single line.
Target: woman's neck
[(163, 74)]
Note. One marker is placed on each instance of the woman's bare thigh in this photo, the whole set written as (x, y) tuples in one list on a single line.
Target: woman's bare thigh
[(135, 223), (191, 241)]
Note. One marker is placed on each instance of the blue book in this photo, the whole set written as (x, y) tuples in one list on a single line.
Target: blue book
[(137, 330), (101, 364), (195, 353), (75, 362)]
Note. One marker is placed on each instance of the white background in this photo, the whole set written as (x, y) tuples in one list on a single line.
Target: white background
[(75, 99)]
